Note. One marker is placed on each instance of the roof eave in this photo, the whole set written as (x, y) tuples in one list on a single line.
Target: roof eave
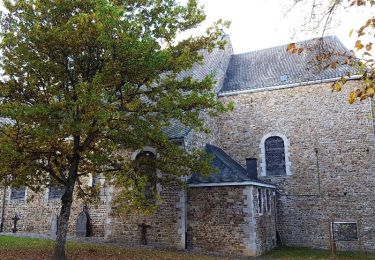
[(292, 85), (221, 184)]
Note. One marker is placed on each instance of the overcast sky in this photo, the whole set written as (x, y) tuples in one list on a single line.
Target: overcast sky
[(259, 24)]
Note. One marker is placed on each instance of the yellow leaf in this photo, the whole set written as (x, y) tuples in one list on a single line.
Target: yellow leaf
[(352, 97), (370, 91), (291, 47), (337, 86), (359, 45), (333, 65)]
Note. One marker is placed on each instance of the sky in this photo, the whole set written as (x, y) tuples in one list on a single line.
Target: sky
[(259, 24)]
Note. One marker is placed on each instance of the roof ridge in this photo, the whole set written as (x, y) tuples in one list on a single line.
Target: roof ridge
[(297, 42), (230, 172), (275, 66)]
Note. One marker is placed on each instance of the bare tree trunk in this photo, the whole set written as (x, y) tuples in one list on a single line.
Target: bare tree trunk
[(62, 225)]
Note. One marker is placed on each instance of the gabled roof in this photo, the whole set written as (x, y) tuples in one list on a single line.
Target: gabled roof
[(275, 66), (176, 130), (214, 62), (209, 65), (228, 172)]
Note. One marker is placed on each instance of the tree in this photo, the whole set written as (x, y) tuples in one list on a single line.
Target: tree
[(361, 57), (83, 80)]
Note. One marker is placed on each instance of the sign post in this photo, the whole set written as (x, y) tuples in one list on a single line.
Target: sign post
[(342, 231)]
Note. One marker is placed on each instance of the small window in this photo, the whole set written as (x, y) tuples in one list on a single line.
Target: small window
[(283, 78), (147, 167), (18, 193), (268, 201), (260, 201), (55, 192), (275, 156), (100, 181)]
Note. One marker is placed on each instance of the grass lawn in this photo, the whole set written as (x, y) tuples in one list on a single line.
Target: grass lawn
[(30, 248), (292, 253)]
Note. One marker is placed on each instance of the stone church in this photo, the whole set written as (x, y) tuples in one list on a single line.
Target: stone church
[(295, 167)]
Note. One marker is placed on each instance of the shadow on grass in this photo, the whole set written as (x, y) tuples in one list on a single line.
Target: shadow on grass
[(32, 248), (308, 253)]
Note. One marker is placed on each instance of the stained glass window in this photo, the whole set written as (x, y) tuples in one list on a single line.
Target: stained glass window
[(146, 164), (275, 156)]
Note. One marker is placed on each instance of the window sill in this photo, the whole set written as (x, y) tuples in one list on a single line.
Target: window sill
[(276, 176), (264, 214), (54, 200), (17, 200)]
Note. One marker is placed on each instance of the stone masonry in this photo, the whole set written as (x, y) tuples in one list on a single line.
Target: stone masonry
[(331, 156), (328, 155), (36, 213), (226, 220)]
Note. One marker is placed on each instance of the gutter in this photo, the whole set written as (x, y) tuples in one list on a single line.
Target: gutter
[(3, 210), (243, 183), (292, 85)]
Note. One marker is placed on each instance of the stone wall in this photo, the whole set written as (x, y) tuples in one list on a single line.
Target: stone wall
[(37, 212), (166, 224), (265, 221), (99, 214), (331, 145), (222, 220)]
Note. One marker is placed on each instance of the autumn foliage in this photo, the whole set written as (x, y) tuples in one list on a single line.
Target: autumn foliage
[(361, 57)]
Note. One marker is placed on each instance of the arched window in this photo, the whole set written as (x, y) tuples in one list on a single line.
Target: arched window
[(147, 167), (55, 192), (275, 155)]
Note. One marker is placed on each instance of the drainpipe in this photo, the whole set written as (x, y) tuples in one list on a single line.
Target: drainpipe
[(318, 169), (3, 209), (186, 209), (185, 201), (372, 110)]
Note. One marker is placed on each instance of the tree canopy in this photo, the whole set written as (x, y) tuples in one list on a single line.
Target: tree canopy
[(84, 80), (361, 56)]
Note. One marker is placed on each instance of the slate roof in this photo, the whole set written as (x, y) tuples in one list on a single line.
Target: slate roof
[(6, 121), (275, 66), (264, 69), (176, 130), (212, 62), (229, 170)]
